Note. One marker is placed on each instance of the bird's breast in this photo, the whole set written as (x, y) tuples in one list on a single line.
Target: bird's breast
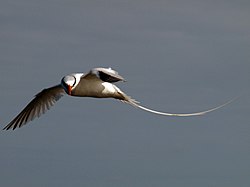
[(94, 89)]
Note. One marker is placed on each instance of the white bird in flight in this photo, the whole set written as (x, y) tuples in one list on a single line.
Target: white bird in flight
[(97, 83)]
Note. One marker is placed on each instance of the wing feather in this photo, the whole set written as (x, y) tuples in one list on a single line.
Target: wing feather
[(42, 102), (107, 74)]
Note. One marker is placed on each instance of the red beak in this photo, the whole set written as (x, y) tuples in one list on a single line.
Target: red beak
[(69, 90)]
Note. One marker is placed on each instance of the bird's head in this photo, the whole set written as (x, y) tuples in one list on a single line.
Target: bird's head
[(69, 82)]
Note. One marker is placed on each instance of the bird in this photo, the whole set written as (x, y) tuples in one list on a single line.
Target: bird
[(97, 83)]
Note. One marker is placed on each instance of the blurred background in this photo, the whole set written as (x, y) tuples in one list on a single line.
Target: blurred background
[(177, 56)]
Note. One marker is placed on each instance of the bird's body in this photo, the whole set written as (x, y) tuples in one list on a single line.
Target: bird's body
[(91, 86), (97, 83)]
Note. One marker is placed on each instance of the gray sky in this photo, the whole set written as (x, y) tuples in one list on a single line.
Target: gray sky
[(177, 56)]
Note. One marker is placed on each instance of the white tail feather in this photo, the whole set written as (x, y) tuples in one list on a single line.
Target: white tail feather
[(127, 99), (135, 104)]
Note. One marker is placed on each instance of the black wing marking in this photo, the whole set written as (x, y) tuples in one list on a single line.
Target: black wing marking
[(107, 74)]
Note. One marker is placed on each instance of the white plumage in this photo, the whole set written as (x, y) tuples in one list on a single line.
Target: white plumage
[(97, 83)]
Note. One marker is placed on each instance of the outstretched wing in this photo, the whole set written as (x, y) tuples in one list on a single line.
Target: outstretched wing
[(106, 74), (38, 106)]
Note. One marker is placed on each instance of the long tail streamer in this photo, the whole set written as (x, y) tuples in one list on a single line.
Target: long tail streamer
[(135, 104)]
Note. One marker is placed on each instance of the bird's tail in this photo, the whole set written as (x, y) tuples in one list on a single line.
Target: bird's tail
[(133, 102)]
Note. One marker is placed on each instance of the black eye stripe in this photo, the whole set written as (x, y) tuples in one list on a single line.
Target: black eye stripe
[(74, 81)]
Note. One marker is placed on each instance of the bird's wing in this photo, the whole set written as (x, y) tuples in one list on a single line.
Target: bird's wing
[(106, 74), (39, 105)]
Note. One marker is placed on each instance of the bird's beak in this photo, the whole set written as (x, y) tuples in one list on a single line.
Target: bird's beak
[(69, 89)]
